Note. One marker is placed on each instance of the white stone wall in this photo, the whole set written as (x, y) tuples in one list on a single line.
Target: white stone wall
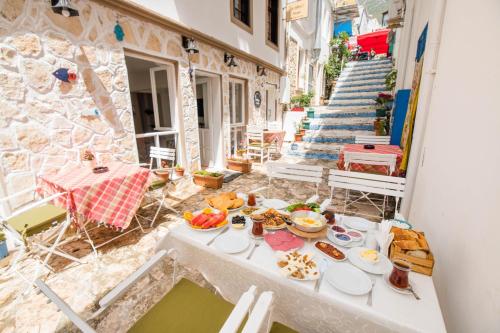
[(41, 125)]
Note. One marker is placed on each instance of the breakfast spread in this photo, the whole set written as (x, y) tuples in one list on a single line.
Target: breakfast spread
[(283, 241), (271, 219), (307, 222), (238, 222), (298, 266), (207, 219), (370, 256), (225, 200), (330, 250), (249, 210)]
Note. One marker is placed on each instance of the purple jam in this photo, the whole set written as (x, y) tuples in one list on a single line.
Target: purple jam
[(343, 237), (354, 234), (337, 228)]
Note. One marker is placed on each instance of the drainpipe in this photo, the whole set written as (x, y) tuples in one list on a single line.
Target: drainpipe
[(431, 56)]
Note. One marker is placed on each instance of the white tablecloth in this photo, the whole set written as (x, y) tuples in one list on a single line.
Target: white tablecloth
[(296, 303)]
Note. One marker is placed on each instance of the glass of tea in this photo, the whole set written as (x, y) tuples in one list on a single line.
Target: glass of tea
[(251, 200), (399, 275), (257, 227)]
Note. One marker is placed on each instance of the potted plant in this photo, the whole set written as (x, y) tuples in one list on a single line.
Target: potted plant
[(88, 159), (241, 152), (310, 113), (242, 165), (179, 170), (306, 123), (299, 102), (164, 174), (208, 179)]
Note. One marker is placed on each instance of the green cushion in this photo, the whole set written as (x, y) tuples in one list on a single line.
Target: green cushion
[(37, 219), (2, 236), (280, 328), (258, 144), (186, 308), (156, 184)]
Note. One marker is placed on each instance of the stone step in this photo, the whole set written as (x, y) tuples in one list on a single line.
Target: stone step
[(367, 63), (346, 113), (362, 78), (353, 121), (355, 94), (329, 139), (352, 106), (363, 73), (334, 133), (352, 102), (366, 126), (359, 89), (386, 67), (358, 96), (362, 84)]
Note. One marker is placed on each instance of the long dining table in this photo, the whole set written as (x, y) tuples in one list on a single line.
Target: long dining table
[(297, 303)]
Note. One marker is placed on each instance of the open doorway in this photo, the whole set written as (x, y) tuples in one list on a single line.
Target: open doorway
[(208, 100), (154, 100)]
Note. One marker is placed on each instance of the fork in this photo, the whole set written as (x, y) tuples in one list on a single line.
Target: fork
[(370, 297), (322, 269), (256, 245)]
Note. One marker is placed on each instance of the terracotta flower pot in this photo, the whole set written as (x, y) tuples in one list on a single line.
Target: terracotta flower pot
[(297, 109), (243, 166), (179, 172), (208, 181), (298, 137), (164, 174)]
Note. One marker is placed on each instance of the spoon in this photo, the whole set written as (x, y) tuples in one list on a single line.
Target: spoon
[(410, 288)]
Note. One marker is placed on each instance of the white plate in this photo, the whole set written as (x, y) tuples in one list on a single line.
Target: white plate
[(348, 279), (331, 236), (275, 203), (231, 243), (396, 289), (358, 223), (382, 267)]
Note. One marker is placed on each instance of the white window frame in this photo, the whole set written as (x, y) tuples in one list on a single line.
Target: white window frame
[(172, 97), (240, 126)]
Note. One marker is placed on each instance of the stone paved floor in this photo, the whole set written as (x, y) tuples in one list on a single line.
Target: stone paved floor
[(81, 286)]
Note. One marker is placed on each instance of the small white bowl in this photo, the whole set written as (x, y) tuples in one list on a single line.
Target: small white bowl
[(342, 239)]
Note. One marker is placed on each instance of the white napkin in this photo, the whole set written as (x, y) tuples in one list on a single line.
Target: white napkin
[(384, 236)]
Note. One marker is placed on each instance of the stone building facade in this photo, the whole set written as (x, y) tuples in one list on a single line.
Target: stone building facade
[(41, 122)]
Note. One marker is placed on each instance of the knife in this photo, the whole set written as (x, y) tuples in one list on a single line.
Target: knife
[(220, 233)]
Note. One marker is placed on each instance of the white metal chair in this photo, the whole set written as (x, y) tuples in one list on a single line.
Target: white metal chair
[(387, 160), (159, 317), (372, 139), (366, 184), (256, 145), (305, 173), (260, 319), (160, 154), (274, 126), (37, 224)]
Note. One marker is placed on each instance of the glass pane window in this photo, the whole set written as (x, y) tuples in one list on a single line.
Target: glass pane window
[(241, 11), (163, 98), (231, 106), (272, 21), (238, 102)]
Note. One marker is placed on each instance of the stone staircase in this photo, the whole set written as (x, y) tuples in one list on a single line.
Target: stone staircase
[(351, 111)]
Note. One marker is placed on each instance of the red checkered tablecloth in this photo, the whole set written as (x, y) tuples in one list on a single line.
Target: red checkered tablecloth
[(274, 136), (111, 197), (379, 149)]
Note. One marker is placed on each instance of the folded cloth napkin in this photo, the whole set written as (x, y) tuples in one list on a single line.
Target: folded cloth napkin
[(384, 236)]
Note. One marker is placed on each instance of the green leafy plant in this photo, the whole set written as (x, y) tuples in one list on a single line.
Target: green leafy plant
[(390, 79), (207, 173), (302, 100), (339, 55), (179, 167)]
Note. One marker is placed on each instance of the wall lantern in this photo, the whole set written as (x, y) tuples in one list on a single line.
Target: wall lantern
[(261, 70), (189, 44), (229, 60), (63, 7)]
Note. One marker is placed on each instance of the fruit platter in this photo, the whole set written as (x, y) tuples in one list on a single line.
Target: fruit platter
[(207, 219)]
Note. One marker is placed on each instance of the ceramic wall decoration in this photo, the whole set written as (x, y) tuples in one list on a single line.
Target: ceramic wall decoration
[(65, 75), (119, 32)]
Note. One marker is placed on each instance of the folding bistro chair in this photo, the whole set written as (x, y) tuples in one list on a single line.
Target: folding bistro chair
[(367, 184), (174, 312), (305, 173), (38, 224), (256, 147), (160, 154), (372, 139)]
